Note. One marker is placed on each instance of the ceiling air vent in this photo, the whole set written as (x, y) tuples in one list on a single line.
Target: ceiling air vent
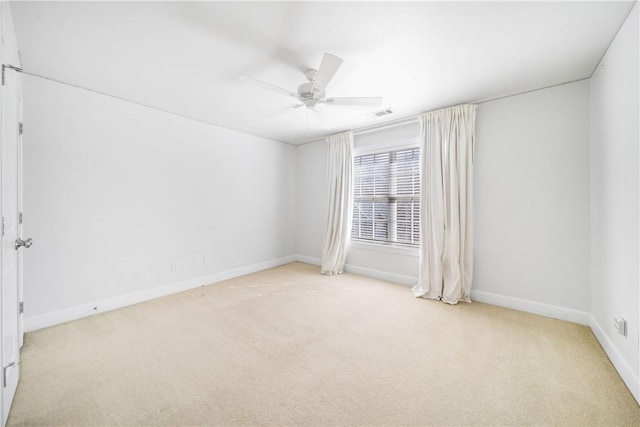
[(381, 113)]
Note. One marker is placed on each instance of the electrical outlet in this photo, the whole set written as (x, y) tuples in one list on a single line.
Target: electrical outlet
[(621, 326), (175, 266), (206, 260)]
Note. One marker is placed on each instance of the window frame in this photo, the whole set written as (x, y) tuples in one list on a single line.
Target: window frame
[(380, 245)]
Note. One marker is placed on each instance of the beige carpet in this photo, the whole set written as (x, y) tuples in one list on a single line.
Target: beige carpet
[(288, 346)]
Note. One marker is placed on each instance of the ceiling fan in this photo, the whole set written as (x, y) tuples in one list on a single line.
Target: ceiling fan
[(312, 93)]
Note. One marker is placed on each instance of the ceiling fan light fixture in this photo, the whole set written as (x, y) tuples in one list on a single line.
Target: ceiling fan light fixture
[(310, 95), (311, 102)]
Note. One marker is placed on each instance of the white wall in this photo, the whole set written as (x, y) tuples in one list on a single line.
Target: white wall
[(531, 204), (311, 196), (532, 197), (9, 46), (115, 192), (615, 98)]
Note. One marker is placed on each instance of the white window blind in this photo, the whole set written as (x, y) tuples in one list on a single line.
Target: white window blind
[(386, 203)]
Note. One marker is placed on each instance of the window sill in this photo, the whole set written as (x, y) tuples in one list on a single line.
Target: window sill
[(387, 248)]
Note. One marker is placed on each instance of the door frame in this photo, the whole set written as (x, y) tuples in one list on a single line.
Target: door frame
[(11, 76)]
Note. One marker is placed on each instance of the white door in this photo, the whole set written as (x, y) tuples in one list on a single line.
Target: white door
[(20, 210), (10, 226)]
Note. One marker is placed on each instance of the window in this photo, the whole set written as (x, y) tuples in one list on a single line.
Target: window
[(386, 202)]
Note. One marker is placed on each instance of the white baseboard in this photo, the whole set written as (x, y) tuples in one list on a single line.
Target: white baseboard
[(630, 379), (40, 321), (382, 275), (368, 272), (308, 259), (553, 311)]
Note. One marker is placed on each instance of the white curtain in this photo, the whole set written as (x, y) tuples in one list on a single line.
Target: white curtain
[(338, 225), (446, 214)]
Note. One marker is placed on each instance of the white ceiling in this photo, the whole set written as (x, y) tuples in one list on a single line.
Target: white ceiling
[(187, 58)]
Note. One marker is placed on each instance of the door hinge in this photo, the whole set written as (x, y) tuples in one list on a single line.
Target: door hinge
[(4, 222), (4, 373), (20, 218), (21, 307), (20, 128), (5, 66)]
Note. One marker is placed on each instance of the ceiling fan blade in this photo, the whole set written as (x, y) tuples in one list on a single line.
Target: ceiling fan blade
[(328, 67), (269, 86), (281, 110), (355, 101)]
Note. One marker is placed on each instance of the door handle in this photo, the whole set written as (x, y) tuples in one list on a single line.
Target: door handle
[(26, 243)]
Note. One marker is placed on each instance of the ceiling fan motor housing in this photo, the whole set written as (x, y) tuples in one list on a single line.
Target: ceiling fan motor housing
[(309, 95)]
